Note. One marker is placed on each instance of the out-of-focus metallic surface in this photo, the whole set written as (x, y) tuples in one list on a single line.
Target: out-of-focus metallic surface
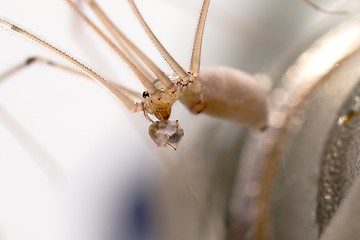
[(339, 166), (345, 224), (294, 176)]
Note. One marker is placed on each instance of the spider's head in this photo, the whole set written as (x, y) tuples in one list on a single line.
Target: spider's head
[(160, 103)]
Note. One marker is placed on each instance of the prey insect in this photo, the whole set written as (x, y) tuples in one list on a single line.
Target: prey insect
[(221, 92)]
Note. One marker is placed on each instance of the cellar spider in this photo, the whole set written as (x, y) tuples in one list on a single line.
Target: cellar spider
[(221, 92)]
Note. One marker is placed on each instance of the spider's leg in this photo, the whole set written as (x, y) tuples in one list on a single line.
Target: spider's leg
[(131, 50), (166, 55), (196, 52)]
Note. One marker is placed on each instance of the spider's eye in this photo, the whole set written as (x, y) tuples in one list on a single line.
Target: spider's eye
[(145, 94)]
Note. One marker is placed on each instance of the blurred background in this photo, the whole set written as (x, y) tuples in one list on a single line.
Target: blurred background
[(76, 164)]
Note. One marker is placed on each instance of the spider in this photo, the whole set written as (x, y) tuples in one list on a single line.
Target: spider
[(221, 92)]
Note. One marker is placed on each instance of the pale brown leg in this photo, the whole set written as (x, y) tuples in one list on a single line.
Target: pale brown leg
[(135, 96), (196, 52), (115, 90), (166, 55), (31, 60), (148, 83), (128, 45)]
